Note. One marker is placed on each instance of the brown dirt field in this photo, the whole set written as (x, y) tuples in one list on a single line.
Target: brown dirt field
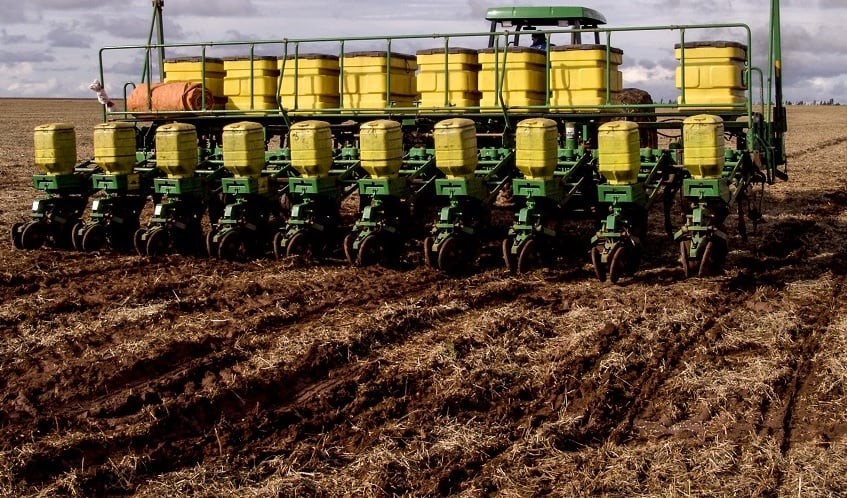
[(181, 376)]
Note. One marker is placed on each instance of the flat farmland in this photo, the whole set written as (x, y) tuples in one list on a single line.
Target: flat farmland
[(123, 375)]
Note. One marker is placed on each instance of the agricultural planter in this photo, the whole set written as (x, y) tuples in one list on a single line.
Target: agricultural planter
[(68, 188)]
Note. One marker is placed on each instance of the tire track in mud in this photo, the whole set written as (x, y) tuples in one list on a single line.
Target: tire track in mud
[(175, 357), (817, 148), (780, 418), (610, 401), (604, 404), (794, 413), (188, 421), (531, 407), (398, 394), (83, 297), (174, 375)]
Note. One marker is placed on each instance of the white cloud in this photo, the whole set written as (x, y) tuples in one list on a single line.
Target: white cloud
[(68, 35), (64, 4), (16, 69), (49, 88), (216, 8), (28, 56)]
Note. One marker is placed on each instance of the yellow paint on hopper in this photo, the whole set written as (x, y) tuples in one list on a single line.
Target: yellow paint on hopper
[(521, 71), (703, 146), (714, 73), (309, 81), (448, 79), (578, 74), (537, 148), (192, 69), (366, 79), (311, 148), (455, 147), (241, 82), (114, 147), (55, 148), (257, 103), (381, 148), (238, 75), (619, 155), (244, 148), (176, 149)]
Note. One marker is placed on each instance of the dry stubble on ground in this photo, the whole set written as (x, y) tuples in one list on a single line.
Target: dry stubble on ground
[(181, 376)]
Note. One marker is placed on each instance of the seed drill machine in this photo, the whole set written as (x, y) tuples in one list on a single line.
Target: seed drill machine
[(386, 149)]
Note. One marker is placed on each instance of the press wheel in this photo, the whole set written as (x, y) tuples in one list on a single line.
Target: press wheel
[(528, 256), (430, 256), (633, 256), (232, 246), (32, 236), (688, 266), (597, 262), (455, 255), (76, 236), (277, 245), (299, 245), (16, 235), (349, 252), (617, 263), (94, 238), (371, 250), (157, 242), (508, 257), (211, 245), (714, 254), (138, 241)]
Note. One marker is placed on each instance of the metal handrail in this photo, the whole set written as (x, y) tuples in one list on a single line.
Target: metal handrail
[(500, 71)]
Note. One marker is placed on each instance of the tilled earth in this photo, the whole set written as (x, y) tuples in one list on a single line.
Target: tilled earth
[(184, 376)]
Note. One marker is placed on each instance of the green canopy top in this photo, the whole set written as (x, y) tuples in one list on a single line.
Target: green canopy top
[(545, 16)]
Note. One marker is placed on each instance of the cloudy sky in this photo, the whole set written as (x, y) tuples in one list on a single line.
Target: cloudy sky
[(50, 48)]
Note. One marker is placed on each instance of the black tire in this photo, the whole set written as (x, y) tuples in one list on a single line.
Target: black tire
[(94, 238), (617, 263), (371, 250), (16, 235), (508, 258), (158, 242), (430, 257), (32, 236), (277, 243), (529, 258), (688, 266), (138, 242), (455, 255), (232, 246), (76, 236), (597, 262), (350, 254)]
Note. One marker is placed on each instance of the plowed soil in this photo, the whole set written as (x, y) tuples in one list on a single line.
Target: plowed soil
[(123, 375)]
